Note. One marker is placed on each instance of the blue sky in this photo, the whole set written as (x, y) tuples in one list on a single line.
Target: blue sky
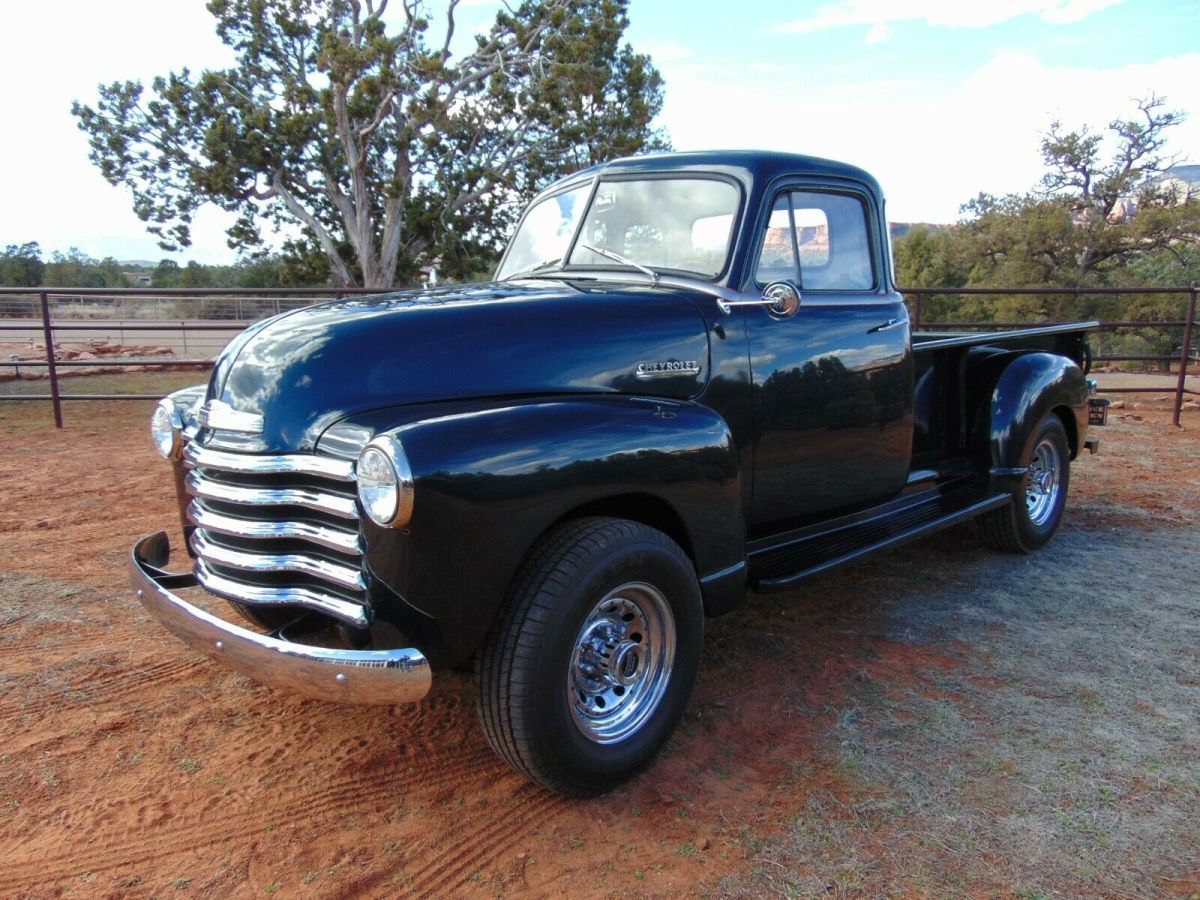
[(939, 99)]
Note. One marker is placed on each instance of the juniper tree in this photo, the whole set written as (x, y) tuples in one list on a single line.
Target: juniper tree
[(366, 130)]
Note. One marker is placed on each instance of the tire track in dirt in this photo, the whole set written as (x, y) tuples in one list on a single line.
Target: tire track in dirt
[(216, 821), (109, 688), (50, 646), (489, 840)]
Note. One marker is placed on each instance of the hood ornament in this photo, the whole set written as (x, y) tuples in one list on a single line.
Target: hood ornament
[(220, 415)]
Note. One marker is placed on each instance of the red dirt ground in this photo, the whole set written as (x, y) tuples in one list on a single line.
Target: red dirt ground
[(132, 766)]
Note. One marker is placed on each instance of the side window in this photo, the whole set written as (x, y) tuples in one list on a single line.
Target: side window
[(830, 248)]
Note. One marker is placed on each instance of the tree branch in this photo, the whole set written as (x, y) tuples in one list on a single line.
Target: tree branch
[(317, 229)]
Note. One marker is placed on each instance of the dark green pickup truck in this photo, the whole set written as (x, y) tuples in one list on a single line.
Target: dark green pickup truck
[(692, 376)]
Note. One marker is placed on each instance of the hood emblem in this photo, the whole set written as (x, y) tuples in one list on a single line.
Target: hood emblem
[(668, 368)]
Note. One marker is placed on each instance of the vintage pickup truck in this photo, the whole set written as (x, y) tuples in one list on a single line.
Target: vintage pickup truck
[(691, 376)]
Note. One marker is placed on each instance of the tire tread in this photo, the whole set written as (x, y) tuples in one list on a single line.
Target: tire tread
[(504, 670), (999, 528)]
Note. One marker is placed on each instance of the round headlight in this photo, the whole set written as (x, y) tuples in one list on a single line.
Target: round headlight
[(165, 426), (385, 482)]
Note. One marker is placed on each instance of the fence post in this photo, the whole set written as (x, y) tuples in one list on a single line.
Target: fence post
[(916, 322), (48, 337), (1184, 353)]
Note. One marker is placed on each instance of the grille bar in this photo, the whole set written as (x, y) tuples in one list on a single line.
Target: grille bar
[(257, 595), (295, 464), (321, 501), (278, 530), (300, 563), (325, 536)]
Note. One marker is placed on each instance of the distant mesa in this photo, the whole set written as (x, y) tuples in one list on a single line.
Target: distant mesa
[(899, 229), (1190, 174)]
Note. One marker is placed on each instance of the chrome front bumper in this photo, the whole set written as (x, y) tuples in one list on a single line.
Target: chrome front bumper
[(340, 676)]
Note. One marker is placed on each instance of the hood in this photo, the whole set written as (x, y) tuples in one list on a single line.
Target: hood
[(309, 368)]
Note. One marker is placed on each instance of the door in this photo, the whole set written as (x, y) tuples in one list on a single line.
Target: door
[(832, 384)]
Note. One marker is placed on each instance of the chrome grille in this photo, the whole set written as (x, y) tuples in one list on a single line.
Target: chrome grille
[(277, 530)]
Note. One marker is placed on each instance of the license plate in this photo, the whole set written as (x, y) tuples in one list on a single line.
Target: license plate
[(1097, 411)]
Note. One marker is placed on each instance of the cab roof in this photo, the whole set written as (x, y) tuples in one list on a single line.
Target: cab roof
[(751, 167)]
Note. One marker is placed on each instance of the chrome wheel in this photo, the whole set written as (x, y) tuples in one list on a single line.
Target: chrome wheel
[(622, 661), (1042, 482)]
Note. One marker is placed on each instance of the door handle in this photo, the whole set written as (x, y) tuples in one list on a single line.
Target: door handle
[(889, 324)]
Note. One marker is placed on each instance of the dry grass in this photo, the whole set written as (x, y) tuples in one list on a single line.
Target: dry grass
[(1057, 752), (152, 382)]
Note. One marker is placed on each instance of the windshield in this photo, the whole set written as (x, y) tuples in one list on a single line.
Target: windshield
[(676, 224)]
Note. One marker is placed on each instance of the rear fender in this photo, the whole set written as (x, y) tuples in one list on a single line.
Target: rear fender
[(1029, 387), (490, 482)]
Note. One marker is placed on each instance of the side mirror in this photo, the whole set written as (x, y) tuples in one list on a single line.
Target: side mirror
[(782, 298)]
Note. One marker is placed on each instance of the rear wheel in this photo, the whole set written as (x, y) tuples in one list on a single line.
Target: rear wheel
[(1038, 501), (589, 666)]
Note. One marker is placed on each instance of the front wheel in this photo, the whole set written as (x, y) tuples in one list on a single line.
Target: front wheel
[(589, 666), (1037, 505)]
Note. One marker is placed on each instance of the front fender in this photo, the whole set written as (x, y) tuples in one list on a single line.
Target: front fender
[(1029, 387), (490, 481)]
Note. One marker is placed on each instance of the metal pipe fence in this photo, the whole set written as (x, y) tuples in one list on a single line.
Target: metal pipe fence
[(202, 320), (212, 317), (1186, 353)]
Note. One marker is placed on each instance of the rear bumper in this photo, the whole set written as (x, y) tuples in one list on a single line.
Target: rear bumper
[(340, 676)]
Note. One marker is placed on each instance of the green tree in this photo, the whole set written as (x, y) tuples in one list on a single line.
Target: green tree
[(258, 272), (1101, 206), (21, 265), (166, 274), (76, 269), (387, 149), (1101, 215), (195, 275)]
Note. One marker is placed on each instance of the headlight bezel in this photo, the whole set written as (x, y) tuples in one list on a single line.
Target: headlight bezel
[(399, 513), (168, 444)]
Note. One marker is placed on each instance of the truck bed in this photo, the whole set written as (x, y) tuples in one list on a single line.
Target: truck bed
[(1024, 338), (947, 369)]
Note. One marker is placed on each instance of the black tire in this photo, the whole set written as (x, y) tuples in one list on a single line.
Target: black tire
[(594, 584), (1031, 519)]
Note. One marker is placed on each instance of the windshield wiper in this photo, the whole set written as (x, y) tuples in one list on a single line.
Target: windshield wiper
[(529, 270), (617, 257)]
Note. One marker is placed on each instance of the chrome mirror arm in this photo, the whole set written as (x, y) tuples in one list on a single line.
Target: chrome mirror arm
[(726, 306), (782, 298)]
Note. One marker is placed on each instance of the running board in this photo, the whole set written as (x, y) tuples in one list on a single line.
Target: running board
[(779, 568)]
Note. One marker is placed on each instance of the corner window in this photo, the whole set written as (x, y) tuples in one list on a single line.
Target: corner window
[(819, 240), (545, 231)]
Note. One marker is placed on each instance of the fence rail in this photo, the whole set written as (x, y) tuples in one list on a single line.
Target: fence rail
[(78, 318), (1187, 353), (217, 314)]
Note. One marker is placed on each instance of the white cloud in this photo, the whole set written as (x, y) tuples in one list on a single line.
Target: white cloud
[(933, 146), (879, 34), (52, 194), (945, 13), (1068, 11)]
